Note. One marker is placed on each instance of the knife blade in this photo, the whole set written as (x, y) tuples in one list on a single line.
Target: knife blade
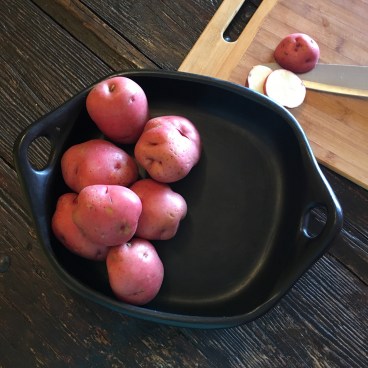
[(335, 78)]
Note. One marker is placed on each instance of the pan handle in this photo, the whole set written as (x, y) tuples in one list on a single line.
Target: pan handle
[(34, 181), (321, 198), (55, 127)]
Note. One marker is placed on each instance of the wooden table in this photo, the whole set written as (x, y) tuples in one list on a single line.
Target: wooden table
[(49, 51)]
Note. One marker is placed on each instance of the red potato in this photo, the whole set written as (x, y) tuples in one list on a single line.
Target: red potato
[(69, 234), (97, 162), (285, 88), (297, 52), (162, 210), (168, 148), (135, 271), (119, 108), (107, 214), (257, 77)]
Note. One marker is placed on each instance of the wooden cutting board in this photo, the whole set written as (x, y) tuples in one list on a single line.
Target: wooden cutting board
[(336, 126)]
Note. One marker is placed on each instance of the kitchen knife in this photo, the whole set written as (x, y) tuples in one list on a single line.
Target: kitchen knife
[(335, 78)]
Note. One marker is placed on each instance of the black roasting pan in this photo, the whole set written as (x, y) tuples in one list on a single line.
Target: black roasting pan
[(247, 237)]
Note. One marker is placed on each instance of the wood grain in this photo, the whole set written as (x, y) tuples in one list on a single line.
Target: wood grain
[(303, 325), (322, 321), (154, 27), (89, 29), (336, 126), (215, 57), (29, 39)]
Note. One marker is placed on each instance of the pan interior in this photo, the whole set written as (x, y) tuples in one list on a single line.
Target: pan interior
[(243, 197)]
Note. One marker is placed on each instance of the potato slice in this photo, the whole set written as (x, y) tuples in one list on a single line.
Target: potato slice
[(257, 77), (285, 88)]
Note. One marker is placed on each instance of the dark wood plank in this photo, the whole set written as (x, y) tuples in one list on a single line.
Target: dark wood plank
[(103, 40), (42, 66), (163, 30), (322, 321), (108, 40), (351, 248), (311, 327)]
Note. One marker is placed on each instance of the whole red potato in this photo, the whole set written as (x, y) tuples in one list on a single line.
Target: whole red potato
[(135, 271), (119, 108), (168, 148), (162, 210), (67, 232), (297, 52), (97, 161), (107, 214)]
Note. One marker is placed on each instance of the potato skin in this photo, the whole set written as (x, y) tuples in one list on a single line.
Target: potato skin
[(297, 52), (107, 214), (135, 271), (168, 148), (97, 161), (69, 234), (162, 210), (119, 108)]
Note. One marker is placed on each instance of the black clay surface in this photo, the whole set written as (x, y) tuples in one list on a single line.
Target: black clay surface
[(243, 243)]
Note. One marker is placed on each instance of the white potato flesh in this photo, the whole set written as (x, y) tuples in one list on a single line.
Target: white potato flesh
[(285, 88), (257, 77)]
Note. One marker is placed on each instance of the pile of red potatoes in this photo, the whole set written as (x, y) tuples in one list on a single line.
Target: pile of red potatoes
[(112, 213)]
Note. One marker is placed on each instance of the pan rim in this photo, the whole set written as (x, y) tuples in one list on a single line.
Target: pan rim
[(185, 320)]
